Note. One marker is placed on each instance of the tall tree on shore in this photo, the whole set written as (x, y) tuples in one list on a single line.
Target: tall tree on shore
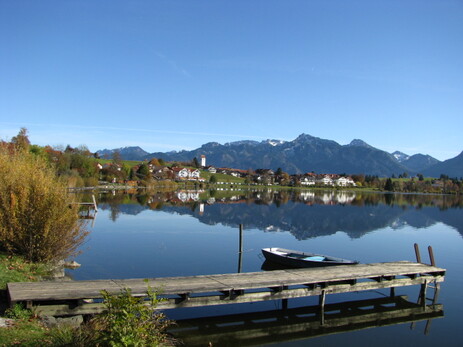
[(21, 141), (389, 186)]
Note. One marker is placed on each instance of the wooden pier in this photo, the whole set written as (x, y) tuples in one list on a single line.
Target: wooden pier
[(84, 297), (87, 208)]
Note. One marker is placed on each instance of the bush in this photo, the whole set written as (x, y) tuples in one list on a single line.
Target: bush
[(18, 312), (91, 182), (128, 321), (131, 321), (38, 219)]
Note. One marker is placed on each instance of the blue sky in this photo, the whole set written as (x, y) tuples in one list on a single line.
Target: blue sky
[(171, 75)]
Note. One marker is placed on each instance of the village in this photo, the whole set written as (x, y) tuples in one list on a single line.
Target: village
[(207, 173)]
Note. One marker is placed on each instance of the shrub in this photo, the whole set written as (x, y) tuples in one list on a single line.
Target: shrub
[(38, 219), (18, 312), (131, 321)]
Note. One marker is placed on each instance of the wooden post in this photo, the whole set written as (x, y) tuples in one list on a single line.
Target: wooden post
[(321, 301), (240, 251), (427, 328), (284, 304), (423, 293), (431, 256), (417, 253), (436, 293), (94, 203)]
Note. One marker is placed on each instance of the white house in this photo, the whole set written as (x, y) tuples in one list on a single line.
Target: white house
[(345, 181), (326, 180), (308, 181), (186, 174), (194, 173)]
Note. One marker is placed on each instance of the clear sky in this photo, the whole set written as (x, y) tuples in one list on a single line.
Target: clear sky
[(171, 75)]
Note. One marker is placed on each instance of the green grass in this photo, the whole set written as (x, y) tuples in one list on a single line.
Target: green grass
[(26, 330), (15, 269), (25, 333), (430, 179), (129, 163)]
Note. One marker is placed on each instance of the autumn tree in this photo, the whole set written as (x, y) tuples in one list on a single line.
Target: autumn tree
[(38, 220), (155, 162), (21, 141)]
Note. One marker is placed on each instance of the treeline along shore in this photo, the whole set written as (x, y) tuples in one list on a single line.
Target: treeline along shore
[(82, 168)]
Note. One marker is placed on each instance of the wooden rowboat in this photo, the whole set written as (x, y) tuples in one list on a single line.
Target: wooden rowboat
[(299, 259)]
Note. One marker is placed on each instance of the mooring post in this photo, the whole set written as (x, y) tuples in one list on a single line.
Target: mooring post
[(431, 256), (417, 253), (240, 251)]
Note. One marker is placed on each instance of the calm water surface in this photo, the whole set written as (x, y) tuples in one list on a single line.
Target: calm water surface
[(193, 233)]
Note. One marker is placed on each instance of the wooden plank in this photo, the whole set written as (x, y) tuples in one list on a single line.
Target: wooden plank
[(221, 282), (222, 299)]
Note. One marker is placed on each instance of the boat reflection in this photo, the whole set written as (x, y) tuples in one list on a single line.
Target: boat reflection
[(259, 328), (271, 266)]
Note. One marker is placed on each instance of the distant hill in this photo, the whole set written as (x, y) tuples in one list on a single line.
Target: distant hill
[(400, 156), (127, 153), (415, 163), (451, 167), (304, 154)]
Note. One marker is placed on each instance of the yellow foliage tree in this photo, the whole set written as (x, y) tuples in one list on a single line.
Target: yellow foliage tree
[(38, 219)]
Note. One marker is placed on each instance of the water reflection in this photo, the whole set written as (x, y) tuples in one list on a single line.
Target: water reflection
[(260, 328), (138, 235), (305, 214)]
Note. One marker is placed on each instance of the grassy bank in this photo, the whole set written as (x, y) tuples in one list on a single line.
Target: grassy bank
[(16, 269), (127, 321), (26, 331)]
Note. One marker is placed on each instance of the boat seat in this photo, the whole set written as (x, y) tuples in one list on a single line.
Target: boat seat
[(315, 258)]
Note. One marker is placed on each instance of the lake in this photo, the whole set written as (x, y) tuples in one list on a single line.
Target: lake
[(197, 232)]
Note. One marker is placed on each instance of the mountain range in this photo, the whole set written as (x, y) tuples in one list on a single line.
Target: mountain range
[(304, 154)]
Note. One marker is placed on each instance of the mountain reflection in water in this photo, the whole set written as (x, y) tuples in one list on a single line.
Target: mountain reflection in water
[(305, 214), (190, 233)]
